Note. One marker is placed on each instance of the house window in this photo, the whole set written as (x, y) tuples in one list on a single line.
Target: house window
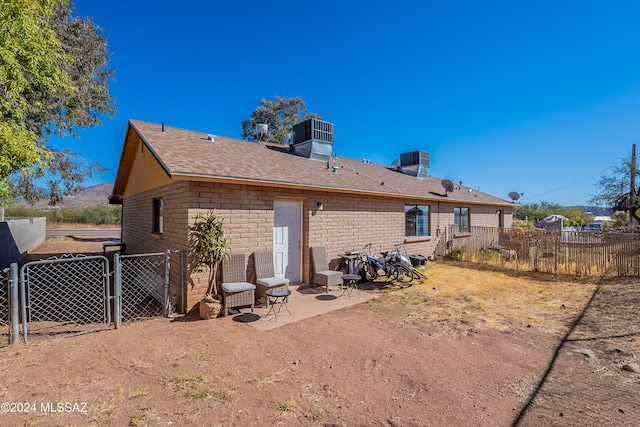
[(416, 220), (461, 220), (157, 215)]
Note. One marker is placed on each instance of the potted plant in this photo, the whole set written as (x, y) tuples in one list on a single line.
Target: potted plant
[(210, 246)]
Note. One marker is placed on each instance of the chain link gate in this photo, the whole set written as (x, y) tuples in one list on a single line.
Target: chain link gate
[(72, 295), (144, 285), (67, 296)]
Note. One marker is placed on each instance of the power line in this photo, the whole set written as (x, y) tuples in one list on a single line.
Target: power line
[(569, 185)]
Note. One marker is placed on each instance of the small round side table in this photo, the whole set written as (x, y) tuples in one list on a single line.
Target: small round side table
[(350, 284), (277, 296)]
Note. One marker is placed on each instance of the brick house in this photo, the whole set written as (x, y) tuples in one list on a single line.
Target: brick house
[(284, 198)]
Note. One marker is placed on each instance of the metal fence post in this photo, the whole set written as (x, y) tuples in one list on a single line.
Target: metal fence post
[(183, 295), (13, 292), (23, 306), (167, 283), (117, 290)]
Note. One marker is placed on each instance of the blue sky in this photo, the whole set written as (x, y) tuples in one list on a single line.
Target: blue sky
[(537, 97)]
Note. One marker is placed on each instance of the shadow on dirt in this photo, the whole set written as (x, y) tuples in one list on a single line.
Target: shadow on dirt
[(608, 315)]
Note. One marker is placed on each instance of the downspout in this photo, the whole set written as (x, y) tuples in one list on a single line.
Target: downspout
[(438, 221)]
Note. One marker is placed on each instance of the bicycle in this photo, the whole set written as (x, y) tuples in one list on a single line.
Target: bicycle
[(374, 267), (400, 257)]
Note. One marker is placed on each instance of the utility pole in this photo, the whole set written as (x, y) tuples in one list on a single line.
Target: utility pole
[(632, 187)]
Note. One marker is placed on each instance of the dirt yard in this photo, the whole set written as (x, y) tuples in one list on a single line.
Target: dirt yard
[(465, 347)]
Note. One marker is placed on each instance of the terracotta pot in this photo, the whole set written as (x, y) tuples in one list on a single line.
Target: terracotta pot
[(210, 308)]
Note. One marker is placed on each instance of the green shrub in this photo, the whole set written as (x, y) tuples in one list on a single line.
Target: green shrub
[(454, 255), (94, 215)]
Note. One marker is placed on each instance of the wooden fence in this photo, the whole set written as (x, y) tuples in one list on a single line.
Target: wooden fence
[(562, 252)]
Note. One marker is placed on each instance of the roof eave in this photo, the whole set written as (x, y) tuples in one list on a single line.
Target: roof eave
[(177, 175)]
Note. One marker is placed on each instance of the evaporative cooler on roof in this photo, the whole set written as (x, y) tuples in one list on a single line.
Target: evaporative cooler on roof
[(313, 138), (415, 163)]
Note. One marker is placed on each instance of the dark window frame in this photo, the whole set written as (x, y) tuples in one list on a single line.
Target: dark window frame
[(158, 215), (413, 227), (461, 219)]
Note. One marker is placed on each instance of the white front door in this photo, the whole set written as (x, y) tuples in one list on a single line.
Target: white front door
[(287, 239)]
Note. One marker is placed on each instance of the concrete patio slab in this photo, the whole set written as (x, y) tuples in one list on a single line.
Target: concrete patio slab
[(305, 301)]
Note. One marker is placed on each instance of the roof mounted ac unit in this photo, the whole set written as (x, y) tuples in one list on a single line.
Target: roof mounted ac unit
[(313, 138), (415, 163)]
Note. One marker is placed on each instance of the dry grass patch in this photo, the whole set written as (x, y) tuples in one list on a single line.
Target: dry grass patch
[(80, 225), (457, 298)]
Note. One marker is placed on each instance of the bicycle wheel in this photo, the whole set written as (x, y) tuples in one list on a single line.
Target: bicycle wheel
[(368, 270), (404, 274), (417, 274)]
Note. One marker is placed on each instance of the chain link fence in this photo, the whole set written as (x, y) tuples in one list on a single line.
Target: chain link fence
[(73, 295), (5, 328), (66, 296), (148, 285)]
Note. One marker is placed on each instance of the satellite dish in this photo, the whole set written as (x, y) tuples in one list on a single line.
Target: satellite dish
[(515, 196), (395, 165), (447, 184), (288, 139)]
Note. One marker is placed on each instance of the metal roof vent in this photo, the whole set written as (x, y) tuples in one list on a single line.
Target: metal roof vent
[(211, 137), (415, 163), (261, 130), (313, 138)]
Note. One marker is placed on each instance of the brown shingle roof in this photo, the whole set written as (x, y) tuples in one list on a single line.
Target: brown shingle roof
[(188, 153)]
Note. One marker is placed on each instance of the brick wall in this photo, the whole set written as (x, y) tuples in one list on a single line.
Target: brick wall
[(347, 222), (137, 220)]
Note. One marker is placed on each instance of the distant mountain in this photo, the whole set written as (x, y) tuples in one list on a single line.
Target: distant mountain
[(99, 190), (95, 195), (595, 210)]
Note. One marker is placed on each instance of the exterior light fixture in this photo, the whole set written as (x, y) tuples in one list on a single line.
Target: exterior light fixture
[(320, 206)]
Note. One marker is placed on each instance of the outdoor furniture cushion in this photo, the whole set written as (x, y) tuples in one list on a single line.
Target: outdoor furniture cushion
[(321, 273), (265, 274), (236, 291), (238, 287), (271, 282)]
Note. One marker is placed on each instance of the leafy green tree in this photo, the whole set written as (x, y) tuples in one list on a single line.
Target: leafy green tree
[(89, 100), (526, 212), (619, 222), (29, 56), (95, 215), (547, 209), (280, 115), (537, 211), (575, 217), (53, 80), (614, 190)]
